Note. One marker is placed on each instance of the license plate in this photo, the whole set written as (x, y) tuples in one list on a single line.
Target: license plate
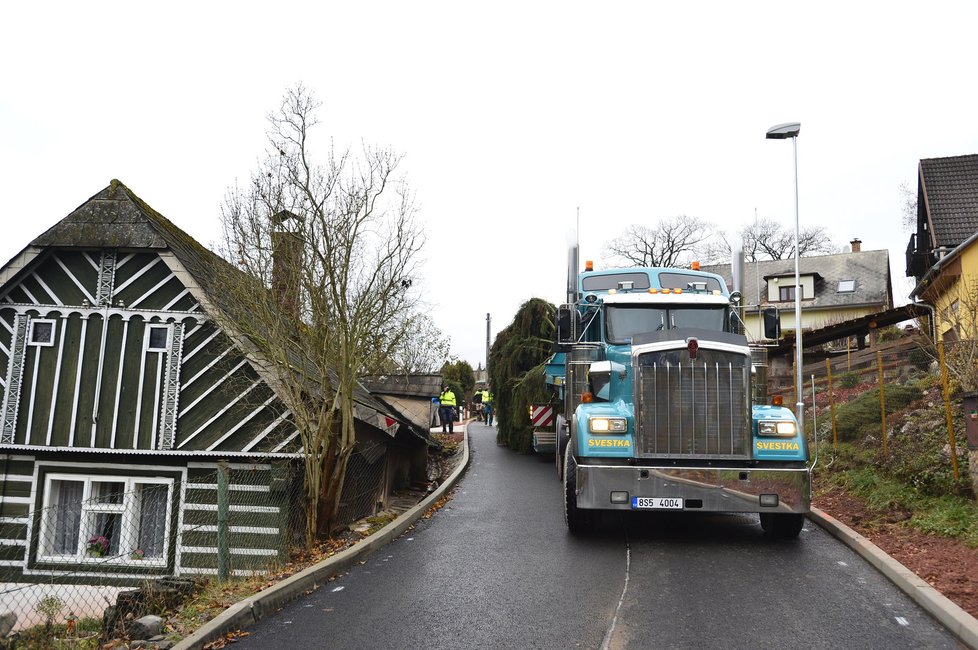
[(657, 503)]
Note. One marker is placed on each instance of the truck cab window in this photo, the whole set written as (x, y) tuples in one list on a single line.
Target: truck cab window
[(624, 322)]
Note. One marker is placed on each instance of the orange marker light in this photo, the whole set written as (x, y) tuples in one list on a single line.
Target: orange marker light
[(589, 265), (677, 290), (653, 290), (587, 398), (695, 266), (777, 400)]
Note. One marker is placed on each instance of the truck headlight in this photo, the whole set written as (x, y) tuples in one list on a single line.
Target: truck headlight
[(772, 428), (607, 425)]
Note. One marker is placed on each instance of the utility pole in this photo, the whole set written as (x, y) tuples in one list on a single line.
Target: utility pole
[(488, 325)]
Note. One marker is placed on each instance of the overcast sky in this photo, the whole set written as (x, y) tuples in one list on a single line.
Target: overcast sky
[(511, 116)]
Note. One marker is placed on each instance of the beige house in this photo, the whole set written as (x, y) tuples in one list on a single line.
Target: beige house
[(834, 288)]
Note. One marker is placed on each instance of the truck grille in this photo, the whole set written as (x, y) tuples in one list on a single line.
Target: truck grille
[(692, 408)]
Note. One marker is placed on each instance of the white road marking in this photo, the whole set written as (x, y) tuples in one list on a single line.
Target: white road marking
[(605, 644), (841, 563), (902, 621), (338, 589)]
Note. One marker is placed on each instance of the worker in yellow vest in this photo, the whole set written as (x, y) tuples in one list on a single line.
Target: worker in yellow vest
[(446, 409), (487, 405)]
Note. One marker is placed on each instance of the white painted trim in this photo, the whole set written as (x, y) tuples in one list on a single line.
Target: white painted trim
[(287, 441), (15, 520), (220, 413), (44, 286), (78, 376), (118, 385), (7, 326), (245, 466), (264, 434), (29, 294), (211, 388), (230, 432), (158, 391), (137, 275), (153, 290), (16, 478), (91, 261), (249, 530), (200, 347), (57, 380), (150, 326), (241, 573), (210, 365), (212, 550), (23, 500), (212, 507), (119, 263), (139, 402), (30, 399), (54, 332), (239, 487), (20, 457), (3, 348), (72, 277), (14, 562), (13, 542), (176, 300), (192, 331), (152, 452)]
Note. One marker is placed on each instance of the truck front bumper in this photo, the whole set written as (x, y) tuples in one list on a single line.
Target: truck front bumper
[(701, 489)]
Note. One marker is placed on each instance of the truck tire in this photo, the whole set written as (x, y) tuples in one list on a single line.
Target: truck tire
[(782, 525), (561, 448), (578, 520)]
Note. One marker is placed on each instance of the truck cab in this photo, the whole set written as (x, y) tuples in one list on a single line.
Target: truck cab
[(665, 405)]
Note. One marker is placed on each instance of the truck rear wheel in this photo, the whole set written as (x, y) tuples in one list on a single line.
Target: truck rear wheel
[(782, 525), (578, 520)]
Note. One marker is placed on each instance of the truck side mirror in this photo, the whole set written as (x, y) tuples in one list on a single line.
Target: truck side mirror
[(772, 323), (567, 320)]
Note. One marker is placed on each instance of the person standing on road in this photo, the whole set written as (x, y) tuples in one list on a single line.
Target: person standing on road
[(487, 405), (446, 409)]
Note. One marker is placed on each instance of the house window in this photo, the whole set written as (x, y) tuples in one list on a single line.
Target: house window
[(788, 293), (846, 286), (157, 338), (105, 520), (42, 332)]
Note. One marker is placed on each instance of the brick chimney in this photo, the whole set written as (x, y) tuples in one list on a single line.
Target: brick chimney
[(856, 244), (286, 261)]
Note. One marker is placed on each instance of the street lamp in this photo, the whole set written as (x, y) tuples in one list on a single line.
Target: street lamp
[(782, 132)]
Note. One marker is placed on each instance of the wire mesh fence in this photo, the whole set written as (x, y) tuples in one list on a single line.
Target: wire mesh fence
[(105, 546)]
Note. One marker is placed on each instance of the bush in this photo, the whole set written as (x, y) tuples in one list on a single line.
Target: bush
[(849, 379), (861, 416), (920, 358)]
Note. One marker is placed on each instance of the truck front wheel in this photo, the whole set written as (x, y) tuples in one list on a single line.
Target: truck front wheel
[(578, 520), (782, 525)]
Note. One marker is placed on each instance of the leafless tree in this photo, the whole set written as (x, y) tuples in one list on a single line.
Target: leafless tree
[(340, 299), (767, 239), (909, 199), (671, 242)]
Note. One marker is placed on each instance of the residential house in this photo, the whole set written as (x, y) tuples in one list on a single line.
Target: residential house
[(942, 254), (834, 288), (121, 394)]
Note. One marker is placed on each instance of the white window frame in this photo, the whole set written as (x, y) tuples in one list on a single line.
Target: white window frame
[(149, 329), (130, 520), (850, 286), (54, 332)]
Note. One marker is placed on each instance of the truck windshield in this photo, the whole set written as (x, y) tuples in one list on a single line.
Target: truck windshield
[(624, 322)]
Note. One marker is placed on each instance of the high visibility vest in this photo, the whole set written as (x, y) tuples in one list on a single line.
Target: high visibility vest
[(486, 397), (447, 398)]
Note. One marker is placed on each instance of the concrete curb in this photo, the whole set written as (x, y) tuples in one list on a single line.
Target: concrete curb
[(962, 624), (249, 611)]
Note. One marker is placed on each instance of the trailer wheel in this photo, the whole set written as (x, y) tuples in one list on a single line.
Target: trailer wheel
[(782, 525), (579, 520)]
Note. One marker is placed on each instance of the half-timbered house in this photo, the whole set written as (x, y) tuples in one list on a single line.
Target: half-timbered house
[(121, 394)]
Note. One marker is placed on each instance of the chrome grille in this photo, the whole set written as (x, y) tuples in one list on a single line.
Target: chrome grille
[(693, 408)]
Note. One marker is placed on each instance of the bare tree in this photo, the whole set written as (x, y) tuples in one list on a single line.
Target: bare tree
[(328, 251), (671, 242), (909, 211), (767, 239)]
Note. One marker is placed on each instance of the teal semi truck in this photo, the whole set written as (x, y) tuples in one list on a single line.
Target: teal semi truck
[(664, 403)]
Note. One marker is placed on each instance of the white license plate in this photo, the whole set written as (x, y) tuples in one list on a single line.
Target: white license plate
[(657, 503)]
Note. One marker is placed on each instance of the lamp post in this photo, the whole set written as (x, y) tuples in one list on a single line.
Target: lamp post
[(783, 132)]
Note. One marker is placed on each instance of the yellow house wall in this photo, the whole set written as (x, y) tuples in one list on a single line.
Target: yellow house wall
[(967, 313), (809, 319), (774, 288)]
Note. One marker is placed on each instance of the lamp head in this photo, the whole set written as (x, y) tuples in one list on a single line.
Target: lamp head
[(784, 131)]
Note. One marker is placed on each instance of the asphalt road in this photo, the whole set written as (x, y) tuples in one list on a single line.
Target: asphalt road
[(496, 568)]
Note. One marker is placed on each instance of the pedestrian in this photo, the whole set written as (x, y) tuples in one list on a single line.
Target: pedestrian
[(446, 409), (487, 405)]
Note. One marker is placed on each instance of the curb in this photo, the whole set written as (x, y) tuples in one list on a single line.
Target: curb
[(962, 624), (246, 613)]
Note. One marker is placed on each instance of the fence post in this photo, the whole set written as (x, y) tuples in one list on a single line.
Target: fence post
[(879, 365), (223, 551), (947, 410), (828, 375)]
